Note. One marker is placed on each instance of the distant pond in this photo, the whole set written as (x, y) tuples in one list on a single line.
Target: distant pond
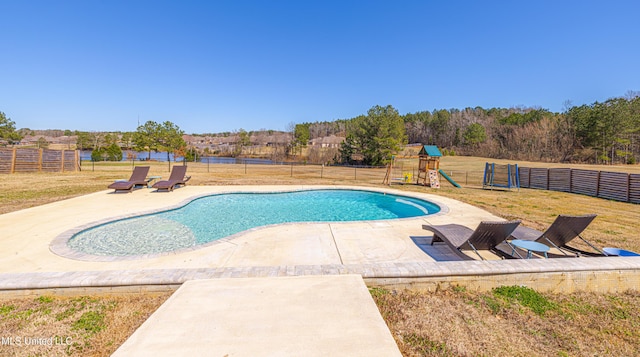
[(85, 155)]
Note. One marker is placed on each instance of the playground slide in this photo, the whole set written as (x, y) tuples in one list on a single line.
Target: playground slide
[(448, 178)]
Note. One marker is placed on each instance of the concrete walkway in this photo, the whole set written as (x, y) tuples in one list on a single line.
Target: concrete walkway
[(290, 316)]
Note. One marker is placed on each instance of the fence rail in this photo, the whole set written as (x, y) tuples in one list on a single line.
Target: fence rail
[(14, 160), (617, 186)]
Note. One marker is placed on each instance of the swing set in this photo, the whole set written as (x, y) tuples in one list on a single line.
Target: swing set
[(501, 176)]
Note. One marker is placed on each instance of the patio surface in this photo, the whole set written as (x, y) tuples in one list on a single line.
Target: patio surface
[(391, 249), (27, 234)]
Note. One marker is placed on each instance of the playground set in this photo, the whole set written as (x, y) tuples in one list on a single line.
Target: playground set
[(428, 169)]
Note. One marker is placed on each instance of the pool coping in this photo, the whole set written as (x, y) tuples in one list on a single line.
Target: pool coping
[(386, 274)]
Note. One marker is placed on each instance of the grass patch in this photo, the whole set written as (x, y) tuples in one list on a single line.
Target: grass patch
[(526, 297), (494, 305), (22, 315), (6, 309), (45, 299), (511, 321), (83, 326), (91, 322), (375, 292), (66, 313), (425, 346)]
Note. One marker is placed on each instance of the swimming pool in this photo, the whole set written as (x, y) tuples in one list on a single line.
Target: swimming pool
[(213, 217)]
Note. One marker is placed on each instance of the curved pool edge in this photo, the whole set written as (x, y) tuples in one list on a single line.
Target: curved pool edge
[(59, 246)]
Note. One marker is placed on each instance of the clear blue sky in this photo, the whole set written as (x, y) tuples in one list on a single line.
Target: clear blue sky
[(213, 66)]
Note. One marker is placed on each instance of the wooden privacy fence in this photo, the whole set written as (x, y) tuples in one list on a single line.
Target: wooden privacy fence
[(618, 186), (38, 160)]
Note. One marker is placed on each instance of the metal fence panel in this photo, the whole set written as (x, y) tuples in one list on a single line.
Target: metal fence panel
[(614, 186), (539, 178), (585, 182), (560, 180), (634, 188), (618, 186)]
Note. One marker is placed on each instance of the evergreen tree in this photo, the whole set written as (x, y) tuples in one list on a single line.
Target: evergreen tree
[(376, 136), (8, 130)]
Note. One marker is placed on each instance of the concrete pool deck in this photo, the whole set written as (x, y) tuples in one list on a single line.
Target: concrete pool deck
[(383, 252), (27, 234)]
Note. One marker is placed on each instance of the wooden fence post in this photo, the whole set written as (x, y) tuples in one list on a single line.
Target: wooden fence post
[(13, 161), (62, 160), (40, 152)]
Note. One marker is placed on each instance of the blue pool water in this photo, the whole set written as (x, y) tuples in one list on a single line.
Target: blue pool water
[(213, 217)]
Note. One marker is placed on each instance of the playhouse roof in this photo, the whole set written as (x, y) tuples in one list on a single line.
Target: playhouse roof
[(430, 150)]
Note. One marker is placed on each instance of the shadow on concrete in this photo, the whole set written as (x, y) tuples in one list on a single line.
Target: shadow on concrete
[(439, 252)]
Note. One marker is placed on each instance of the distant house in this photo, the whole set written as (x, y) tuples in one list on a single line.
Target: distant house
[(331, 141), (357, 158), (190, 139), (32, 140)]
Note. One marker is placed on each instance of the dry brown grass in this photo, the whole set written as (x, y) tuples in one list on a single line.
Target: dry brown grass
[(457, 322), (452, 322), (80, 326)]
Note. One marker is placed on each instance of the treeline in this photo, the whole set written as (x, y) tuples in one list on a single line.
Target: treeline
[(151, 136), (602, 132)]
